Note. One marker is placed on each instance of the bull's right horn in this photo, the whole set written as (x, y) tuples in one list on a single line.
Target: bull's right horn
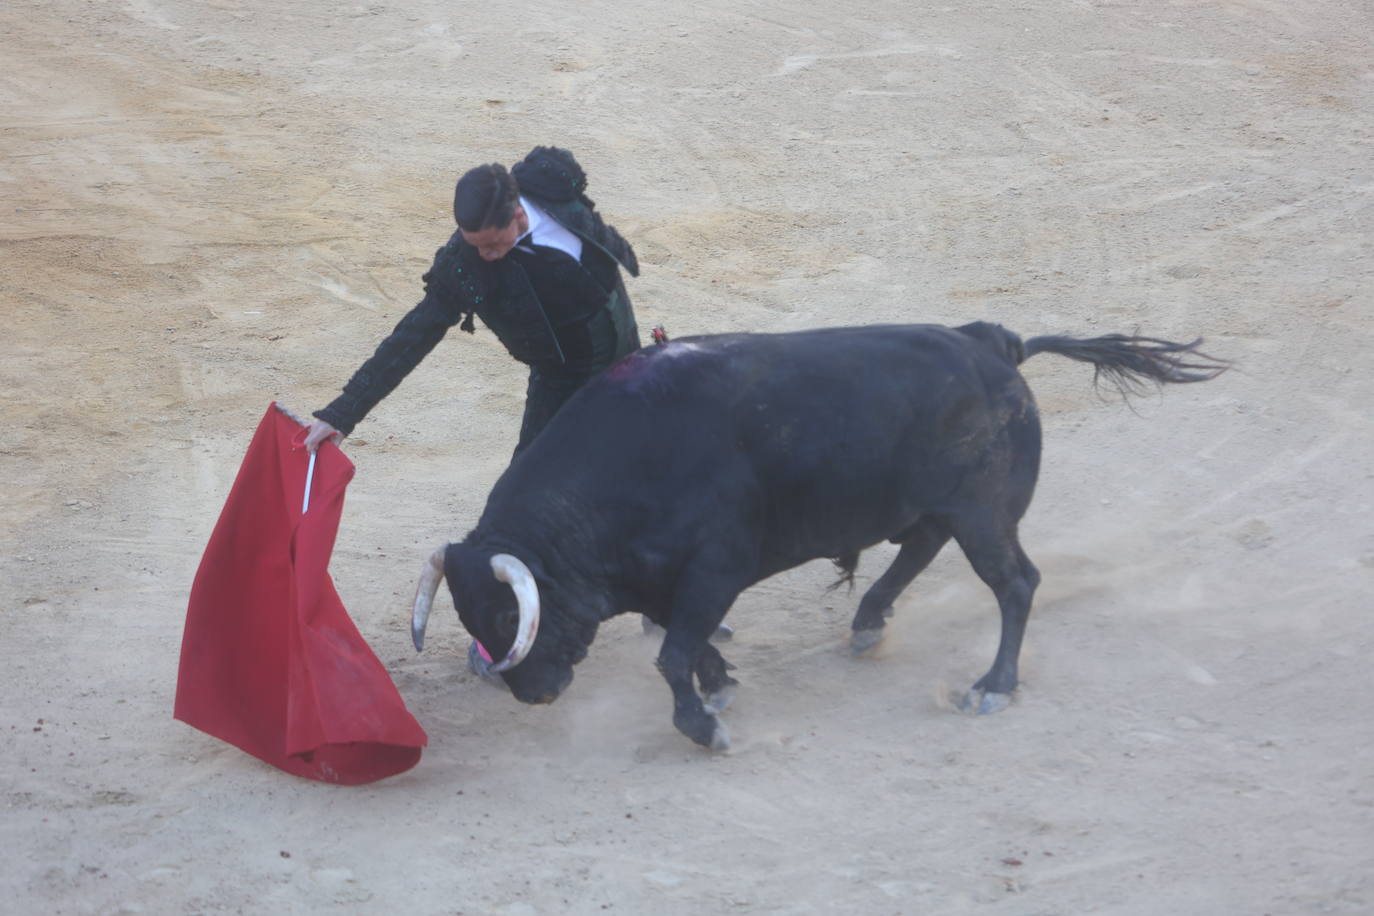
[(517, 575), (430, 577)]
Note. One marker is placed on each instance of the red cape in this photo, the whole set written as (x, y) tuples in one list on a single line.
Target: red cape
[(271, 661)]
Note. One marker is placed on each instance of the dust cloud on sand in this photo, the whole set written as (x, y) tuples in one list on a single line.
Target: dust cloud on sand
[(211, 206)]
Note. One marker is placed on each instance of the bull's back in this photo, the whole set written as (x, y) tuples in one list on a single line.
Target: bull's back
[(821, 441), (857, 432)]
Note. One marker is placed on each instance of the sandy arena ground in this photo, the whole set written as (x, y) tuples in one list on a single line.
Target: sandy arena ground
[(208, 206)]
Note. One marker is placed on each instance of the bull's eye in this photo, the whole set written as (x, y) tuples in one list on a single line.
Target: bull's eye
[(507, 621)]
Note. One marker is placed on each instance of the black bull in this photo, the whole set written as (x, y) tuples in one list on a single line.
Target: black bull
[(688, 472)]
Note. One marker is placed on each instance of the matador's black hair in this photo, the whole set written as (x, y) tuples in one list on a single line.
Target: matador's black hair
[(485, 198)]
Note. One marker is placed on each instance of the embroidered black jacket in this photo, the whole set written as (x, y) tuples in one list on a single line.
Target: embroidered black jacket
[(460, 285)]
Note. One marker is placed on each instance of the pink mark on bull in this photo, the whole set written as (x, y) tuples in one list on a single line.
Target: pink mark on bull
[(637, 364)]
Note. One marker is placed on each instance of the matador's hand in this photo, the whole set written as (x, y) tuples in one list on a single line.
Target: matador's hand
[(320, 431)]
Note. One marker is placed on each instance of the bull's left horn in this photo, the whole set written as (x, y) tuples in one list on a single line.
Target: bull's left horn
[(517, 575), (430, 577)]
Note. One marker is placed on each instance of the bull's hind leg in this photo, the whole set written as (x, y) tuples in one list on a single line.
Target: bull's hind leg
[(996, 556), (920, 545)]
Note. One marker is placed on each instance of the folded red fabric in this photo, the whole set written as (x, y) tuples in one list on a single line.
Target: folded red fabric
[(270, 660)]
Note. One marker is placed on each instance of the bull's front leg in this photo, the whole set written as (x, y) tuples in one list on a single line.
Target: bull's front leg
[(689, 714), (717, 686), (686, 651)]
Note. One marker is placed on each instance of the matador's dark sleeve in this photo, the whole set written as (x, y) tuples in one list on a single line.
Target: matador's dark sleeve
[(414, 336), (615, 243)]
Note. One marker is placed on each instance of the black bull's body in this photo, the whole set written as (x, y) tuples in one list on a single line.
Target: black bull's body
[(688, 472)]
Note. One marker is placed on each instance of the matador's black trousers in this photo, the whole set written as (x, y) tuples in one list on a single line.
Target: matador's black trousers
[(549, 389)]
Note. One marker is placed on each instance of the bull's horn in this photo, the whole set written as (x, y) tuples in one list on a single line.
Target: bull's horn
[(518, 576), (430, 577)]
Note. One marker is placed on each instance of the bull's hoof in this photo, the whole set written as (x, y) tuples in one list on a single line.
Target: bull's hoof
[(703, 728), (722, 698), (720, 739), (981, 703), (863, 641)]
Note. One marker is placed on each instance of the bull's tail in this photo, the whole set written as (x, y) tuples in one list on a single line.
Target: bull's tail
[(1131, 362)]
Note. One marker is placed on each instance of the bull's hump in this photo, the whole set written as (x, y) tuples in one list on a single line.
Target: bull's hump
[(653, 362), (679, 350)]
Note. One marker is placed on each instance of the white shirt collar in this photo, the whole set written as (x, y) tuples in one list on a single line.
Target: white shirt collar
[(535, 217), (545, 230)]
